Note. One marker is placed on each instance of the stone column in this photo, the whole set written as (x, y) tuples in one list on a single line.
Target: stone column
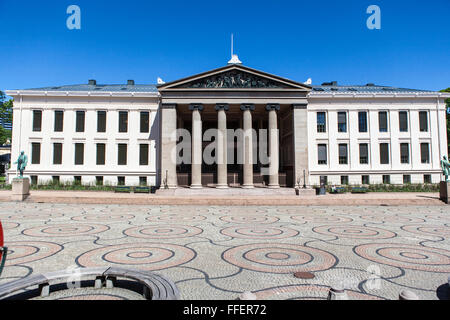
[(300, 142), (168, 127), (273, 145), (248, 145), (222, 172), (197, 152)]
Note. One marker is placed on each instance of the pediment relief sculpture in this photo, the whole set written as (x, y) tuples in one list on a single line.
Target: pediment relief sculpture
[(234, 79)]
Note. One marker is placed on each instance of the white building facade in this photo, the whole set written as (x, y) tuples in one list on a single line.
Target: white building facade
[(117, 134), (376, 136), (77, 135)]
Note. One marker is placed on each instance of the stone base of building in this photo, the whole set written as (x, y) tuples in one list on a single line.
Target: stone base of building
[(444, 189), (20, 189)]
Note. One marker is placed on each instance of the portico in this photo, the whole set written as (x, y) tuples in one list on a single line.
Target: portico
[(258, 122)]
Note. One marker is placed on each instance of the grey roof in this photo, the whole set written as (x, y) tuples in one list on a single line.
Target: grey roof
[(153, 88), (101, 87), (369, 88)]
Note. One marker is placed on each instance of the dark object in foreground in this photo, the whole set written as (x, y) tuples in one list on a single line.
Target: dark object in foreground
[(443, 191), (155, 287), (3, 250)]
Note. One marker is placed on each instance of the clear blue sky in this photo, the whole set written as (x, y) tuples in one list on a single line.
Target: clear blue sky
[(143, 40)]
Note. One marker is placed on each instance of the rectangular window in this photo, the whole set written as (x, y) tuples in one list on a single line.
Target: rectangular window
[(363, 153), (425, 152), (145, 121), (79, 153), (37, 120), (55, 180), (99, 180), (121, 181), (365, 179), (143, 154), (59, 121), (403, 121), (34, 180), (143, 181), (343, 154), (122, 154), (382, 121), (344, 180), (77, 180), (321, 122), (323, 180), (427, 178), (322, 154), (386, 179), (384, 153), (80, 117), (423, 121), (57, 153), (101, 121), (406, 179), (123, 121), (342, 122), (362, 121), (35, 153), (101, 151), (404, 152)]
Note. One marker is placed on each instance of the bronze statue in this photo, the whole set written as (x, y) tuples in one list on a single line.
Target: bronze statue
[(445, 164), (22, 161)]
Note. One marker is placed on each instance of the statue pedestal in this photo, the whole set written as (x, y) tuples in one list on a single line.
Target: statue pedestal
[(444, 191), (20, 189)]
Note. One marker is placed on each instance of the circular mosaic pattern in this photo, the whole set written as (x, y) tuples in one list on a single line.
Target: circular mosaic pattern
[(186, 210), (299, 210), (176, 218), (259, 232), (279, 258), (391, 219), (8, 225), (355, 232), (35, 216), (66, 230), (322, 219), (439, 217), (433, 230), (307, 292), (163, 232), (406, 256), (241, 211), (249, 219), (145, 256), (104, 217), (21, 252)]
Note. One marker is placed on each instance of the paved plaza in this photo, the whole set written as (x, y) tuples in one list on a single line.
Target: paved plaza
[(218, 252)]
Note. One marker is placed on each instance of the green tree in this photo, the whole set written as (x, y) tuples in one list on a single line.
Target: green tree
[(447, 102), (5, 118)]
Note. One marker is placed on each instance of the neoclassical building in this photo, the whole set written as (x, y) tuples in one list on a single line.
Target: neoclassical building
[(131, 134)]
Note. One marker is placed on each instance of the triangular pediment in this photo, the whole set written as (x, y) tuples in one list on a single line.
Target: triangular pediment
[(234, 77)]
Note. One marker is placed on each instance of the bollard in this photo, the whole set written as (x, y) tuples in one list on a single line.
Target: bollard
[(337, 293), (407, 295), (247, 295)]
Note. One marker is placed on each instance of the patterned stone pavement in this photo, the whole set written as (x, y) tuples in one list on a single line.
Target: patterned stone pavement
[(218, 252)]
